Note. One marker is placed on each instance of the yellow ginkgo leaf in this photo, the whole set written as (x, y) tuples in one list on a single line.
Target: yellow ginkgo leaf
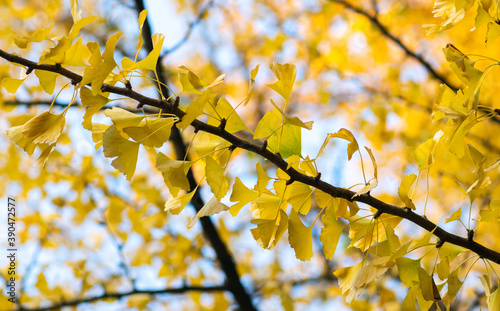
[(16, 135), (300, 197), (192, 83), (300, 237), (93, 104), (98, 130), (174, 173), (195, 109), (492, 33), (11, 84), (74, 56), (269, 231), (286, 74), (330, 234), (176, 204), (141, 20), (251, 83), (78, 25), (347, 135), (47, 80), (463, 66), (149, 62), (455, 216), (262, 178), (125, 151), (123, 118), (225, 111), (242, 195), (44, 156), (215, 178), (212, 207), (457, 144), (404, 188), (151, 133), (76, 12), (108, 64), (44, 128)]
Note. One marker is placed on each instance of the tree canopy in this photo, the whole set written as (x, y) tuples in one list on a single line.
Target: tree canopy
[(251, 155)]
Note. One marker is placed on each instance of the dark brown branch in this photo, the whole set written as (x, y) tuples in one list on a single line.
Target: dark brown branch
[(178, 290), (419, 58), (279, 162), (225, 259)]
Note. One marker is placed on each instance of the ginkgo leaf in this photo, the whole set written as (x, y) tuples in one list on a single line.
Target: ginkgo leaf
[(346, 276), (455, 216), (174, 173), (330, 235), (262, 178), (300, 237), (176, 204), (215, 178), (11, 84), (292, 120), (36, 36), (44, 156), (44, 128), (457, 144), (212, 207), (404, 188), (267, 206), (47, 80), (454, 284), (108, 64), (122, 118), (463, 66), (75, 54), (98, 130), (125, 151), (149, 62), (300, 197), (141, 20), (151, 133), (16, 135), (269, 231), (347, 135), (493, 213), (251, 83), (78, 25), (241, 194), (482, 16), (424, 153), (407, 270), (287, 141), (286, 74), (429, 289), (195, 109), (93, 104), (492, 33), (192, 83), (225, 111), (268, 124), (76, 13)]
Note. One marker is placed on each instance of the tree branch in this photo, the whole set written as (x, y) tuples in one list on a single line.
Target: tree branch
[(279, 162), (178, 290)]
